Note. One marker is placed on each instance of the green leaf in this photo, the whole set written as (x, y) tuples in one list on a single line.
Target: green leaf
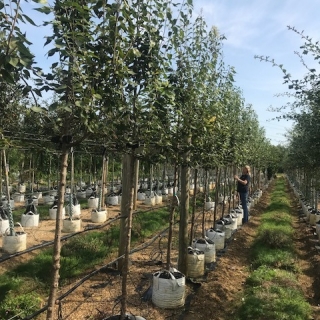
[(24, 50), (29, 20), (52, 52), (136, 52), (14, 61), (46, 10), (40, 1), (6, 76), (97, 96), (53, 106), (59, 43), (37, 92), (54, 65), (37, 109), (26, 73)]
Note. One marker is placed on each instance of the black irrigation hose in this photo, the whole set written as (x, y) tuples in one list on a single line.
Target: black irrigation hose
[(88, 228), (88, 276)]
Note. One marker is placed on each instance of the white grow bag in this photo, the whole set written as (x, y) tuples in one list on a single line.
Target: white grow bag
[(220, 198), (150, 200), (113, 200), (93, 203), (170, 191), (34, 200), (18, 197), (312, 218), (141, 196), (4, 225), (81, 194), (232, 217), (54, 192), (227, 231), (71, 225), (22, 188), (191, 190), (89, 192), (53, 213), (68, 190), (165, 191), (49, 200), (209, 205), (16, 242), (98, 216), (76, 211), (38, 194), (208, 247), (218, 237), (158, 199), (169, 289), (239, 213), (5, 203), (30, 220), (195, 263)]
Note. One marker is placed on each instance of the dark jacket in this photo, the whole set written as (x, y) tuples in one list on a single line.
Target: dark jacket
[(243, 188)]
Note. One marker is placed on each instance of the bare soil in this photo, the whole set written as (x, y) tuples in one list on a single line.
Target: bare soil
[(215, 297)]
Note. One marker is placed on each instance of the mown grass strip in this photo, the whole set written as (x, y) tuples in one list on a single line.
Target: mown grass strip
[(272, 290), (30, 281)]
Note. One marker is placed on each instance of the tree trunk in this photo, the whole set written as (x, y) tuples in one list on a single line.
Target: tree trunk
[(164, 173), (49, 174), (136, 179), (194, 203), (6, 172), (1, 190), (171, 220), (126, 224), (224, 190), (57, 236), (217, 188), (184, 215), (30, 172), (204, 203), (101, 204)]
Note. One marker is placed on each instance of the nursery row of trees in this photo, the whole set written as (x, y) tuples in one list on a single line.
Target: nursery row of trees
[(301, 156), (142, 80)]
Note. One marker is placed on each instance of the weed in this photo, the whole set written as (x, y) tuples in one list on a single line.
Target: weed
[(18, 307)]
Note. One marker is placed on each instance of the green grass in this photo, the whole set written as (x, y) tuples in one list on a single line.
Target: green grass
[(276, 303), (264, 275), (272, 289), (19, 306)]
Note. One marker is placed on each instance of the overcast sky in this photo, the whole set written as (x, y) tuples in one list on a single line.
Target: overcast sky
[(252, 28), (260, 28)]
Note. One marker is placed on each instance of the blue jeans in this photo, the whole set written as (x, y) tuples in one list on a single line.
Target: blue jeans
[(244, 203)]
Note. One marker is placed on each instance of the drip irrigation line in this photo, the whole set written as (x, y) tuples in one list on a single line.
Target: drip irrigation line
[(91, 274), (88, 228)]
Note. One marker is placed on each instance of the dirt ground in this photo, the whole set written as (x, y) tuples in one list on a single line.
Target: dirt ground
[(214, 298)]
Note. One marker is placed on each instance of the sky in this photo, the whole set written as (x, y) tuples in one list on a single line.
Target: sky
[(251, 27), (260, 28)]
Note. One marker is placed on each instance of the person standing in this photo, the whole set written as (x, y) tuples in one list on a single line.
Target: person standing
[(243, 190)]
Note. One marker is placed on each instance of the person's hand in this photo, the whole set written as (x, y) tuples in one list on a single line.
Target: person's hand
[(236, 177)]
